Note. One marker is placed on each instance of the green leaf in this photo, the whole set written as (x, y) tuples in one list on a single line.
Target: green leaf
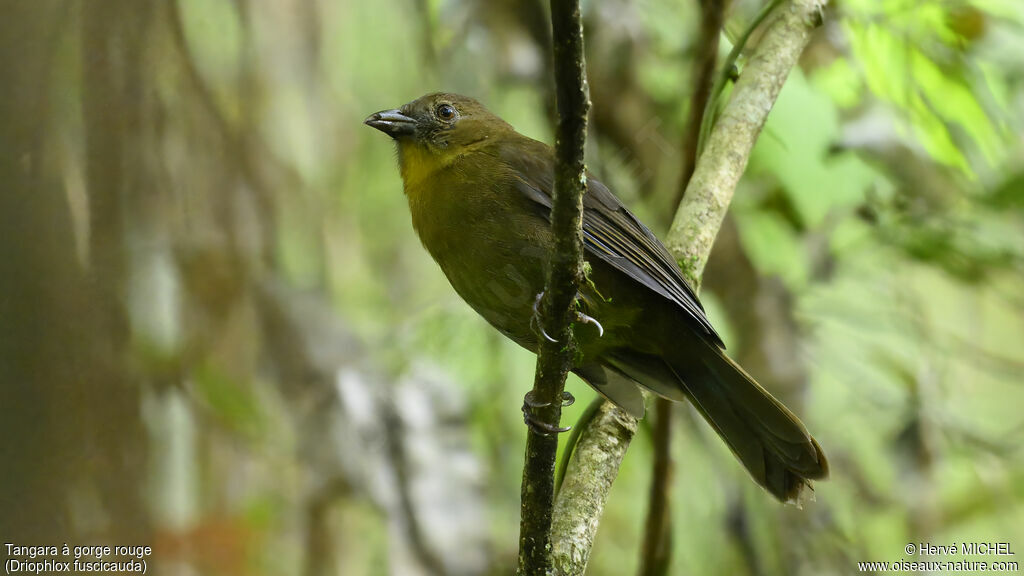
[(795, 148), (773, 246)]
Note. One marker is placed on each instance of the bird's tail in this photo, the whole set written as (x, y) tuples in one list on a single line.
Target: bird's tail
[(769, 440)]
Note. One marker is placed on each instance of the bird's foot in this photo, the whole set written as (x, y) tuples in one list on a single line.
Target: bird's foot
[(535, 323), (538, 426), (567, 400), (582, 318)]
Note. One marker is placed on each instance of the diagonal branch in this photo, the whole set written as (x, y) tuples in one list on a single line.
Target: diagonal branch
[(594, 466), (543, 405), (697, 221), (656, 552), (728, 148)]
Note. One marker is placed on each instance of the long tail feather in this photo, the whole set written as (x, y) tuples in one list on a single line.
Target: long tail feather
[(768, 439)]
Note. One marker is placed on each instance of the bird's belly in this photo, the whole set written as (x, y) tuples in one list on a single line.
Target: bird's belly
[(497, 268), (500, 283)]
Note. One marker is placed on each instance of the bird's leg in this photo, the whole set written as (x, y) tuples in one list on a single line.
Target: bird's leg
[(542, 428), (529, 403), (535, 323)]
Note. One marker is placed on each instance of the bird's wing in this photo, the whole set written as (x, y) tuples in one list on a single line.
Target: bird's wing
[(610, 231)]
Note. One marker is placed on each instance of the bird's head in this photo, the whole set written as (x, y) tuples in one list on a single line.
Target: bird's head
[(433, 130)]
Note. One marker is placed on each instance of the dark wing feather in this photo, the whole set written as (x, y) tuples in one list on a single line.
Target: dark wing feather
[(610, 231)]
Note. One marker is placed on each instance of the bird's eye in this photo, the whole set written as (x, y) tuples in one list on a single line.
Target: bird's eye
[(445, 112)]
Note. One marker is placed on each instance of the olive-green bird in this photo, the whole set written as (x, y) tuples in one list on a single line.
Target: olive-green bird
[(480, 198)]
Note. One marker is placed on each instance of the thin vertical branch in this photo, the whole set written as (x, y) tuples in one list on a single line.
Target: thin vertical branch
[(712, 19), (727, 72), (428, 33), (656, 553), (564, 274)]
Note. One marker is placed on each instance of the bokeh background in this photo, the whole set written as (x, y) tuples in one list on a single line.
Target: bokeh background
[(219, 335)]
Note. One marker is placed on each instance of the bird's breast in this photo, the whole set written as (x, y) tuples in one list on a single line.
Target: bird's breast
[(491, 248)]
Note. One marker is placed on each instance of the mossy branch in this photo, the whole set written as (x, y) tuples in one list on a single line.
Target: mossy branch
[(564, 275), (596, 460), (594, 466)]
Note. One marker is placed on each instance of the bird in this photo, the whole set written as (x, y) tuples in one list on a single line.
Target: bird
[(480, 196)]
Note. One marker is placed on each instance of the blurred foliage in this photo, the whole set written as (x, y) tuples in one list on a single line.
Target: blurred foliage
[(871, 275)]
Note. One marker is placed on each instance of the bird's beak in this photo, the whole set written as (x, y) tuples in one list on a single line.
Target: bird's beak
[(392, 122)]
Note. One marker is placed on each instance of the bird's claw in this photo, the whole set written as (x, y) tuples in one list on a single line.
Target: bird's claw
[(542, 428), (530, 402), (580, 316), (536, 326), (567, 399), (535, 323)]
